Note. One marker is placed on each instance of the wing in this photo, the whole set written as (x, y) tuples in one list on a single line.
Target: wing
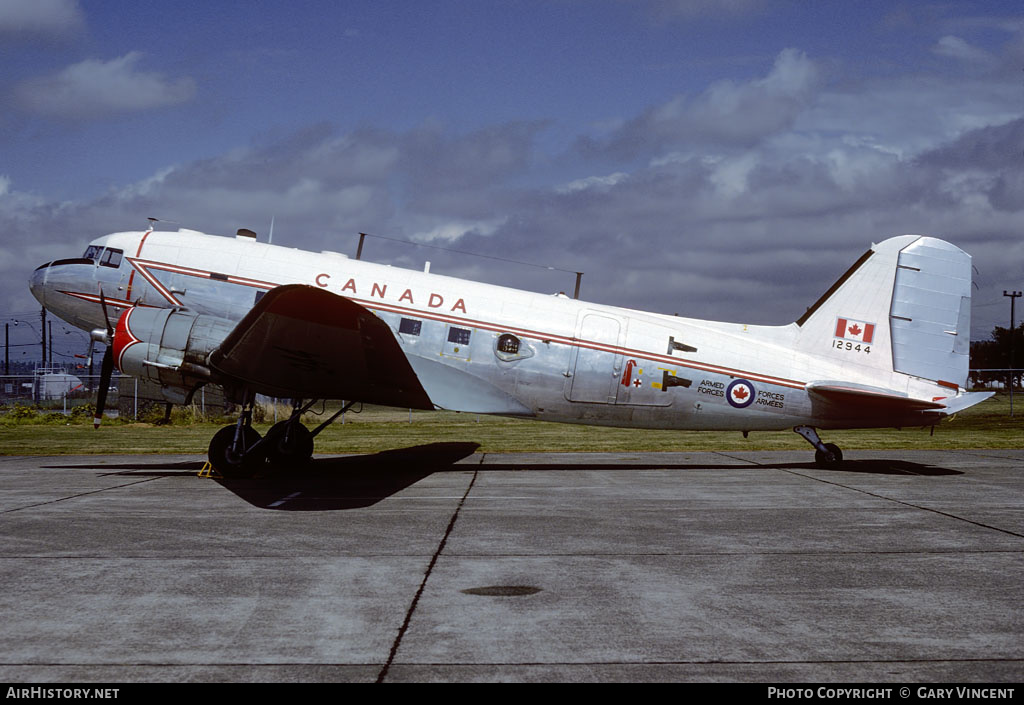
[(301, 341)]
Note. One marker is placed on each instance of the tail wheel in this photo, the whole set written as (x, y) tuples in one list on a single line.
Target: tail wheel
[(832, 459), (289, 444), (227, 460)]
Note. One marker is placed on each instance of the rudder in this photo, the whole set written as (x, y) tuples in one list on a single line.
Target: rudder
[(930, 316)]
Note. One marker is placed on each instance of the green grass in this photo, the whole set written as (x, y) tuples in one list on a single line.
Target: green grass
[(987, 425)]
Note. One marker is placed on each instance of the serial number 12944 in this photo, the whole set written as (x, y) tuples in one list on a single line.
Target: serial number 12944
[(847, 345)]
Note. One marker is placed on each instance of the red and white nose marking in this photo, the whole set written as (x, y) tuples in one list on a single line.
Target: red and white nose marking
[(123, 337)]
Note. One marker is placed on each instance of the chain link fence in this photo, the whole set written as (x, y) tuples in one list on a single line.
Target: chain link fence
[(54, 389)]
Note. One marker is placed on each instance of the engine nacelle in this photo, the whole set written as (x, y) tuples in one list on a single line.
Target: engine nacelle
[(169, 347)]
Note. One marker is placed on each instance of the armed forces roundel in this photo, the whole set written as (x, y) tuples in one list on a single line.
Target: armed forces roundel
[(740, 393)]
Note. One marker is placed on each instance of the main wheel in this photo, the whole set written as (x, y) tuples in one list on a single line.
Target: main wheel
[(832, 459), (230, 463), (289, 445)]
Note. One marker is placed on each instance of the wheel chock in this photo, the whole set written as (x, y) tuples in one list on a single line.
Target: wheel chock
[(208, 471)]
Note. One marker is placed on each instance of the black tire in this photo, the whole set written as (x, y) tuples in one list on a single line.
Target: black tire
[(833, 459), (289, 446), (229, 463)]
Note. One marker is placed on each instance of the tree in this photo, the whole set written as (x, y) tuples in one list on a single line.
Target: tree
[(995, 354)]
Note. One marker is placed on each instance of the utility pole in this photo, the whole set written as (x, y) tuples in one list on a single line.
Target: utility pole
[(7, 348), (1013, 322), (42, 362)]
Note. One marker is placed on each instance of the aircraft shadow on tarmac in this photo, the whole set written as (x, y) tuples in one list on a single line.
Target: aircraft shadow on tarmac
[(323, 484), (356, 481), (875, 467), (348, 482)]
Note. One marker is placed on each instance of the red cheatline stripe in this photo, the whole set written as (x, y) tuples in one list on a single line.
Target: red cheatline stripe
[(148, 276), (138, 253), (204, 274), (143, 265), (93, 298)]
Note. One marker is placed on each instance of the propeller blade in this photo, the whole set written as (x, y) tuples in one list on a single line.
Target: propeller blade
[(106, 370), (106, 317)]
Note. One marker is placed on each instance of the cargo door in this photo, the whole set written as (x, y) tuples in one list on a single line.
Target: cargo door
[(594, 366)]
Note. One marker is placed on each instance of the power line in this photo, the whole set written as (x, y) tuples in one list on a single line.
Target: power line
[(471, 254)]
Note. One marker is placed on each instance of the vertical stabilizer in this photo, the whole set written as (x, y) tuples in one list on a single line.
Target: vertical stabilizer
[(905, 306)]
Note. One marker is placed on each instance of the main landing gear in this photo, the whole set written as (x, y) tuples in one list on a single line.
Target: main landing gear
[(239, 451), (826, 455)]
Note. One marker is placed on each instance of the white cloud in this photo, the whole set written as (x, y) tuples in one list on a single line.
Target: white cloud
[(730, 174), (956, 48), (93, 88), (453, 230), (596, 183), (727, 113), (34, 18)]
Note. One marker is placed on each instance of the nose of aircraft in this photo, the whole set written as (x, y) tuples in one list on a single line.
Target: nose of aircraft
[(58, 286), (37, 282)]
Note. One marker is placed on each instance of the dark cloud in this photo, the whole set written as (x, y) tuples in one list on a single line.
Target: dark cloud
[(752, 235), (994, 148)]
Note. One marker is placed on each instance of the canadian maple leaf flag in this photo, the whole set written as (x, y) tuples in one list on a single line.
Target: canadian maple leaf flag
[(859, 331)]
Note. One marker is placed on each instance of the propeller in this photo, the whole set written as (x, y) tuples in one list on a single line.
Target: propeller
[(88, 355), (107, 366)]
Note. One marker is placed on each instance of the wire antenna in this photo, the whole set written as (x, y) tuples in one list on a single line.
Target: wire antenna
[(579, 275)]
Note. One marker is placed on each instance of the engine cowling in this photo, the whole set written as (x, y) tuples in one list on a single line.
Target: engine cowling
[(169, 347)]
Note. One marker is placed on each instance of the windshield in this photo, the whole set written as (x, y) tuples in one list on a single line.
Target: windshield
[(109, 257)]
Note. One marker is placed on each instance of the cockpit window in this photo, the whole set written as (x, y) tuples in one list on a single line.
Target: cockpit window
[(111, 257)]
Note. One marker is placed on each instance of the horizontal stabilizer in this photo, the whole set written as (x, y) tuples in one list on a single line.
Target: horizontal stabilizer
[(959, 403), (859, 398), (303, 342)]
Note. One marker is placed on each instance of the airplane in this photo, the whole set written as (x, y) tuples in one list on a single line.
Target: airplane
[(886, 346)]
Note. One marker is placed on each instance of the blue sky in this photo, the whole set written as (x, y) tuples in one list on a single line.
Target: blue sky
[(720, 159)]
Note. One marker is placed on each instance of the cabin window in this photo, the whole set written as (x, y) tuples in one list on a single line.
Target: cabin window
[(459, 336), (410, 326), (92, 252), (508, 344), (511, 348)]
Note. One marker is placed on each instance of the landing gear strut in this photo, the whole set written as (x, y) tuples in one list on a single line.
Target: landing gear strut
[(239, 450), (827, 455), (289, 442), (232, 448)]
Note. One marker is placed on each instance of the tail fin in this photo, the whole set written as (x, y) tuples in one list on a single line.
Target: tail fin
[(907, 302)]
